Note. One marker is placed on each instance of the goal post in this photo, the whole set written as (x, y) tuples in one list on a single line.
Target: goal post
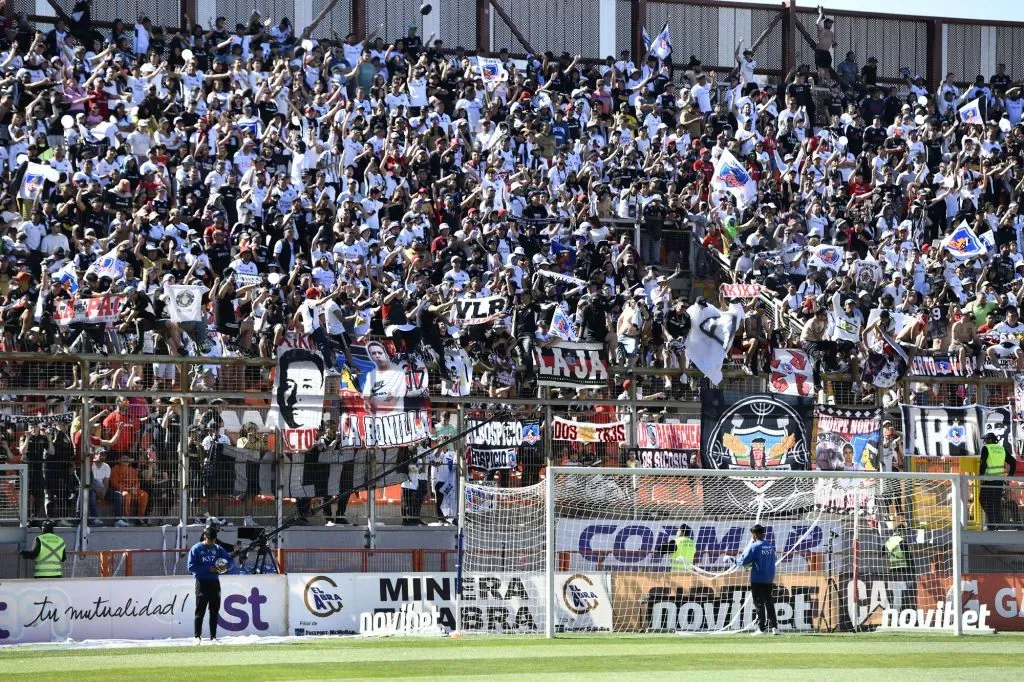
[(654, 550)]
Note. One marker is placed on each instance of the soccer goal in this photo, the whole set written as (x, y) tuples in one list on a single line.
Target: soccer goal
[(655, 550)]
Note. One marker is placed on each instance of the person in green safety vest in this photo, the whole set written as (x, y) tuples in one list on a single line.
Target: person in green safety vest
[(48, 552), (896, 553), (682, 548), (994, 458)]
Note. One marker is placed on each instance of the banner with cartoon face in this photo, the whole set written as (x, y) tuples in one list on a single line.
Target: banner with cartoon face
[(746, 432)]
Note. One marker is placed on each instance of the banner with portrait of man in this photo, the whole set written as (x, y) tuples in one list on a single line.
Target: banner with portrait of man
[(384, 401), (299, 383)]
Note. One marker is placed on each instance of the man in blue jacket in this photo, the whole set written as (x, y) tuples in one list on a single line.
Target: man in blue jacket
[(760, 557), (203, 563)]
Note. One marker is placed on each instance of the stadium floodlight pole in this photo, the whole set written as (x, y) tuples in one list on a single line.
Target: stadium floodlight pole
[(267, 535)]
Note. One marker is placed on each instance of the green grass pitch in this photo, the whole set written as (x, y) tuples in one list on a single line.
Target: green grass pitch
[(909, 658)]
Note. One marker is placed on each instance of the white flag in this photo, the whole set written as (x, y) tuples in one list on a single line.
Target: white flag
[(185, 302), (710, 338), (971, 112), (491, 70), (32, 182), (730, 175)]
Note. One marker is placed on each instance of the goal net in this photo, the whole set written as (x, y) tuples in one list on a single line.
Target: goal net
[(632, 550)]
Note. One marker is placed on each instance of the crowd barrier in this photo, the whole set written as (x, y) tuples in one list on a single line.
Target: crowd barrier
[(310, 604)]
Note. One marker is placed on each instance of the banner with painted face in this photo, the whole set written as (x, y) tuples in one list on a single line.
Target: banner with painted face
[(746, 432), (942, 431), (386, 402), (299, 384), (847, 440)]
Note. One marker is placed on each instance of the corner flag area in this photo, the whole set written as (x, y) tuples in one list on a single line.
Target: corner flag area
[(819, 657)]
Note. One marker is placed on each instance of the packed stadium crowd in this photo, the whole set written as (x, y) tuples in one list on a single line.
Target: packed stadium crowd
[(349, 190)]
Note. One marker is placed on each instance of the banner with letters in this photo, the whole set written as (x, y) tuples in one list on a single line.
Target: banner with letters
[(501, 444), (470, 311), (623, 544), (672, 436), (571, 364), (91, 310), (386, 403), (847, 440), (300, 382), (322, 604), (664, 458), (746, 291), (942, 431), (673, 602), (586, 432), (135, 608), (792, 372)]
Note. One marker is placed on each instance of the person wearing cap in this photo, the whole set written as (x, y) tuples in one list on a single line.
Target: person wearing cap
[(48, 553), (206, 562), (995, 458), (99, 486), (759, 557)]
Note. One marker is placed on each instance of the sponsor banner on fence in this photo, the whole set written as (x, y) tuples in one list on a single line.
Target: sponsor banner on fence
[(1002, 593), (469, 311), (652, 458), (607, 544), (134, 608), (671, 436), (332, 603), (96, 309), (571, 364), (866, 599), (387, 403), (585, 432), (675, 602), (942, 431)]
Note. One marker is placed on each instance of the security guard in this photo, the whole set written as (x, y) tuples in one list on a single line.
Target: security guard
[(994, 458), (683, 549), (48, 552)]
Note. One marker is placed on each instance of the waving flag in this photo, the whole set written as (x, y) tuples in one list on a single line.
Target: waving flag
[(491, 69), (563, 256), (647, 39), (68, 277), (562, 325), (826, 256), (963, 243), (731, 176), (971, 112), (661, 47), (34, 178)]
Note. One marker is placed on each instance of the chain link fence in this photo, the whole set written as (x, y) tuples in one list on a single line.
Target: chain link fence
[(570, 26)]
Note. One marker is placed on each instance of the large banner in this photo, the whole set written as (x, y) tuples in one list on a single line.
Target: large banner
[(643, 602), (91, 310), (469, 311), (848, 440), (311, 473), (942, 431), (585, 432), (503, 602), (299, 384), (571, 364), (672, 436), (1002, 593), (501, 444), (617, 544), (135, 608), (654, 458), (387, 403)]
